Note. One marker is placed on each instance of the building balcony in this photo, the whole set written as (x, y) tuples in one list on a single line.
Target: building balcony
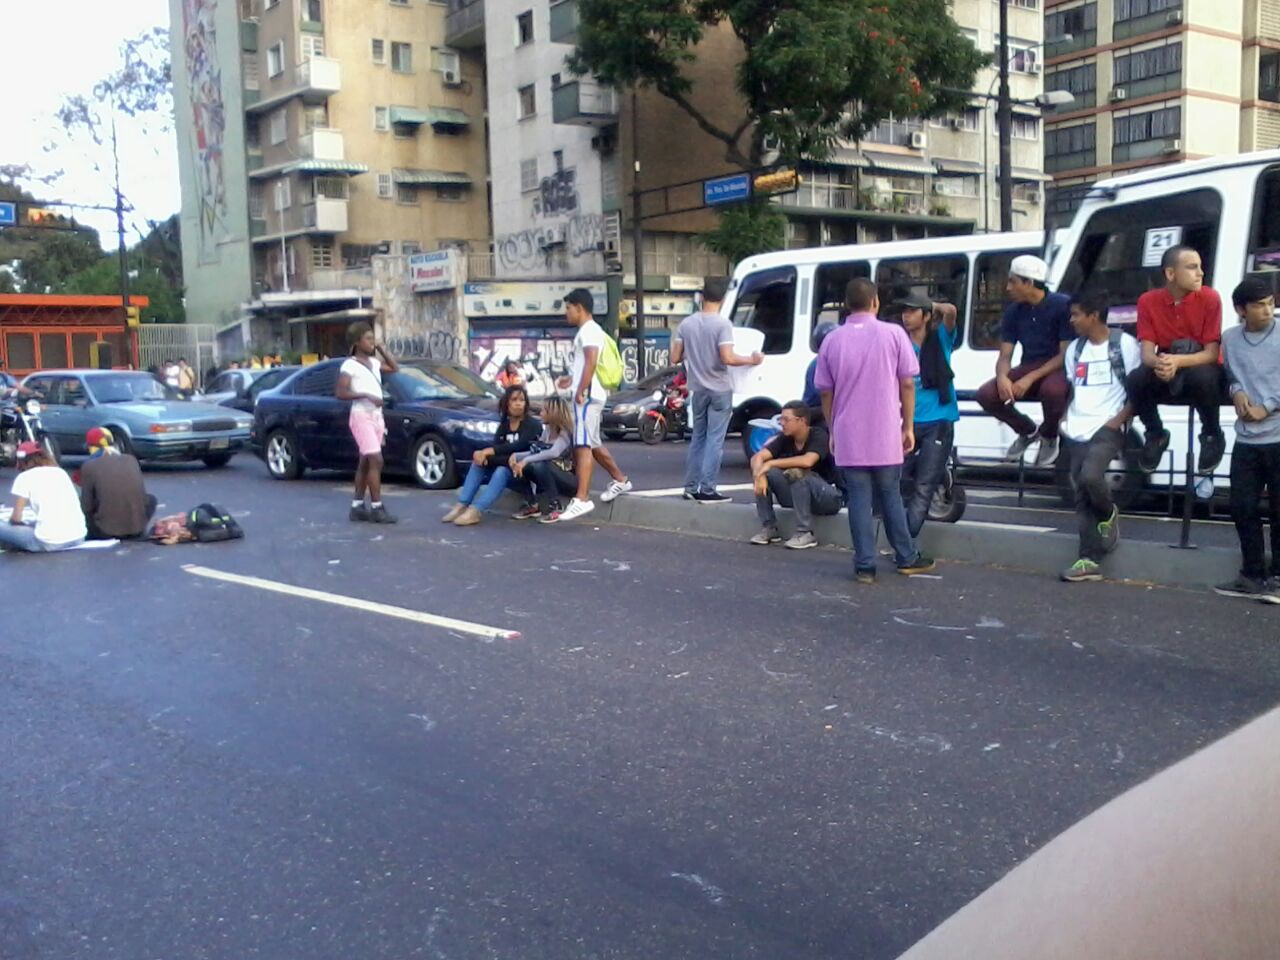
[(480, 266), (464, 24), (359, 278), (564, 21), (816, 198), (318, 79), (322, 143), (584, 103), (323, 215)]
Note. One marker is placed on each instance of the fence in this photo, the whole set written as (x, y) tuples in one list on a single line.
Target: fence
[(160, 342)]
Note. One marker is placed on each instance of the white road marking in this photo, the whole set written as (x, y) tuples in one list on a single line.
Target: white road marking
[(486, 633), (676, 491), (992, 525), (997, 494)]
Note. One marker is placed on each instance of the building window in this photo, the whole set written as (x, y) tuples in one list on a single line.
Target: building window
[(529, 175), (1070, 148), (330, 188), (385, 186), (315, 118), (1026, 192), (451, 193), (1133, 9), (956, 186), (406, 193), (1081, 82), (321, 255), (380, 121), (272, 3), (969, 119), (378, 50), (1156, 62), (252, 134), (283, 195), (275, 60), (1024, 59), (528, 101), (401, 57), (409, 247), (524, 28), (1075, 22), (1152, 125), (404, 131), (446, 61), (312, 46), (894, 130), (313, 11), (1026, 127), (1269, 77), (1025, 4), (279, 126)]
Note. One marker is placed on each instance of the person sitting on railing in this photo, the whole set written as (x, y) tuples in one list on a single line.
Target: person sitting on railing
[(1180, 326), (1039, 322)]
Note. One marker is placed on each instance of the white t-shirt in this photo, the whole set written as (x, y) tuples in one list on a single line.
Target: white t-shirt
[(52, 503), (590, 334), (1097, 394), (363, 380)]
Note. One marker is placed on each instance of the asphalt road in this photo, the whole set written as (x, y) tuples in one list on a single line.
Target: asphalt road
[(694, 749)]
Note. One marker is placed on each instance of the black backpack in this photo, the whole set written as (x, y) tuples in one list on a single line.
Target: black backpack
[(210, 523)]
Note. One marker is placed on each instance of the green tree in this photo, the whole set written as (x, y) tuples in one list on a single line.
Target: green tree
[(45, 257), (743, 231), (147, 279)]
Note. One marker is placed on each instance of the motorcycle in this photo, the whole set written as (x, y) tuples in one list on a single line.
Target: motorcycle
[(670, 418), (20, 423)]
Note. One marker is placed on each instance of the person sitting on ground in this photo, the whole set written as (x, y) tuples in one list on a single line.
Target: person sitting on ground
[(548, 465), (112, 494), (1180, 327), (1040, 323), (1098, 364), (795, 469), (932, 329), (489, 472), (46, 516), (1252, 354)]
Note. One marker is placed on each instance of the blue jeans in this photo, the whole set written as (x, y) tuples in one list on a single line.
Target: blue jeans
[(863, 484), (711, 412), (497, 479), (924, 469), (23, 537)]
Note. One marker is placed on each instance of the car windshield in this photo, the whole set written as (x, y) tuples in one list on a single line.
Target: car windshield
[(656, 379), (435, 383), (460, 377), (129, 388)]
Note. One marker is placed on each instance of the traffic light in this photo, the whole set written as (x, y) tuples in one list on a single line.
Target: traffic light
[(133, 316), (46, 219), (780, 181)]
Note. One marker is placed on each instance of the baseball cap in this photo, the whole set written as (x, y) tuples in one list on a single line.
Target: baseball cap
[(99, 436), (1030, 268), (916, 301), (27, 448)]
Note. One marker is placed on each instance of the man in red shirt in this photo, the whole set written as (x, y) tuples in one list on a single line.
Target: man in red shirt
[(1180, 327)]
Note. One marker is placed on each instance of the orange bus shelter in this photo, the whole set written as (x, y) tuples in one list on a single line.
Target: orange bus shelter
[(49, 331)]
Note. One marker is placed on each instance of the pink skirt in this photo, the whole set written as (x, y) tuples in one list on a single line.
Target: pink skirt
[(369, 429)]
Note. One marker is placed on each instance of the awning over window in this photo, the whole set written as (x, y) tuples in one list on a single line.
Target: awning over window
[(430, 178), (326, 166), (448, 117), (959, 166), (411, 116), (847, 157), (895, 163), (1026, 173)]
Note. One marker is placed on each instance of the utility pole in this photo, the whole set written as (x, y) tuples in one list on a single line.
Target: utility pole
[(123, 252), (1004, 119), (637, 233)]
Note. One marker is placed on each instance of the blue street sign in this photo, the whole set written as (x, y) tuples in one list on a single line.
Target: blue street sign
[(8, 214), (731, 189)]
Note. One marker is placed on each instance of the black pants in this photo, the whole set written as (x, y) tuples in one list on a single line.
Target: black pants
[(1200, 387), (922, 471), (1089, 463), (550, 482), (1255, 466)]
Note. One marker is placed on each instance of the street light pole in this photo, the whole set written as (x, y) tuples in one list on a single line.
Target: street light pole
[(1004, 119), (637, 233), (123, 251)]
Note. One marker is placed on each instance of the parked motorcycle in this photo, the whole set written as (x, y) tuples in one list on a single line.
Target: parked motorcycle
[(20, 423), (670, 418)]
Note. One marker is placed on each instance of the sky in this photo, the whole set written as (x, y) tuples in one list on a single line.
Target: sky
[(57, 48)]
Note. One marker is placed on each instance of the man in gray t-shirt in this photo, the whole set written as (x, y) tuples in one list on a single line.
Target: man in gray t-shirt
[(704, 343)]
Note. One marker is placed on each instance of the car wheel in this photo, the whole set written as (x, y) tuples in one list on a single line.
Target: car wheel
[(283, 461), (431, 463), (215, 460), (123, 443)]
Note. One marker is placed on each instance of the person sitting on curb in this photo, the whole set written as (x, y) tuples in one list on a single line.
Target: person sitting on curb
[(1098, 365), (46, 517), (112, 494), (517, 432), (548, 465), (1039, 322), (795, 469), (1180, 327), (1252, 352)]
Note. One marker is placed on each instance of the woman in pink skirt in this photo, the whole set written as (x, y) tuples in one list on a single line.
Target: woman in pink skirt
[(360, 381)]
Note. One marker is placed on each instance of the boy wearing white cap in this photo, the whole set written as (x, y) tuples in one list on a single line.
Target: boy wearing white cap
[(1040, 323)]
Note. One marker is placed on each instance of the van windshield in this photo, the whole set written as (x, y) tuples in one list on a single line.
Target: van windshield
[(766, 301), (1121, 246)]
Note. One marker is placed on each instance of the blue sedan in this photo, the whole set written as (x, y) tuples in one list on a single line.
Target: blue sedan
[(147, 418), (437, 416)]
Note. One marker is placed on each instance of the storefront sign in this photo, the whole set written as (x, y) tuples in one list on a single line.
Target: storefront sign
[(660, 305), (437, 270), (516, 299), (682, 281)]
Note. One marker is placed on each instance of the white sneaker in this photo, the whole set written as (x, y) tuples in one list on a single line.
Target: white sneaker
[(615, 490), (577, 508)]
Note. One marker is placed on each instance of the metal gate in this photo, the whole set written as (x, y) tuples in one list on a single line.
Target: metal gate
[(159, 343)]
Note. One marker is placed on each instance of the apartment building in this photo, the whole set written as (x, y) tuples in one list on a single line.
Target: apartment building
[(315, 135), (1156, 82)]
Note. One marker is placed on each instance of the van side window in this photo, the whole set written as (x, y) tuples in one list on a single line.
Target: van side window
[(1109, 254), (829, 284), (938, 278), (991, 273), (766, 301), (1264, 238)]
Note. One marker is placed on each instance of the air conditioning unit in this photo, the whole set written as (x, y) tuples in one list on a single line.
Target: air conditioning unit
[(1034, 196), (1173, 146), (1173, 18), (939, 188), (955, 123), (553, 236), (1118, 94), (451, 77), (919, 141), (1034, 67)]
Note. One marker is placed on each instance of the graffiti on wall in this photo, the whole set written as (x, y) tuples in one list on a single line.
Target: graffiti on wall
[(208, 123), (438, 345), (548, 357), (557, 194), (533, 249)]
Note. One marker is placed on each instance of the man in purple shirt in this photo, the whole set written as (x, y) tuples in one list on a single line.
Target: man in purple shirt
[(866, 375)]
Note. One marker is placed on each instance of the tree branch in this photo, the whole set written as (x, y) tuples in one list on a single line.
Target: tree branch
[(730, 140)]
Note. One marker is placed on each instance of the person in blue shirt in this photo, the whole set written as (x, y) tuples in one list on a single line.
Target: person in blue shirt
[(931, 327), (811, 396)]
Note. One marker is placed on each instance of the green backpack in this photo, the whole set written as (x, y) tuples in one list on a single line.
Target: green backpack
[(609, 365)]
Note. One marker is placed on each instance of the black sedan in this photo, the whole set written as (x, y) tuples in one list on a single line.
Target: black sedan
[(437, 416), (623, 409)]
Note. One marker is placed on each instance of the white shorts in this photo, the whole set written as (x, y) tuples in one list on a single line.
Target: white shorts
[(586, 423)]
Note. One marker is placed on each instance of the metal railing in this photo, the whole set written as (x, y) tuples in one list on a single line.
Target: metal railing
[(356, 278), (480, 266)]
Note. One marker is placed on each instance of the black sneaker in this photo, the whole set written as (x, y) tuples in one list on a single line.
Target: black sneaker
[(1244, 587), (359, 514), (688, 495), (380, 515), (1271, 591), (1212, 447), (1153, 449), (921, 564), (712, 498), (866, 577)]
